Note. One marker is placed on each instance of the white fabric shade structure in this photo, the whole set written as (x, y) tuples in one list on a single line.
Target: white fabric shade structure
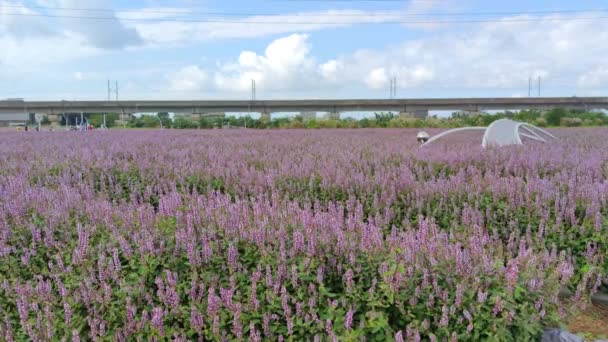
[(502, 132)]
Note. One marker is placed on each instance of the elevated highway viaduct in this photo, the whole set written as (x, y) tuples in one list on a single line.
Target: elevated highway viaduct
[(406, 107)]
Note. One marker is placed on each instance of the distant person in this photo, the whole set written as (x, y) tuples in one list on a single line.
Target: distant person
[(26, 128)]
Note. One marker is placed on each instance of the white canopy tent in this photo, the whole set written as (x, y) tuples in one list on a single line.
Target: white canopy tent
[(502, 132)]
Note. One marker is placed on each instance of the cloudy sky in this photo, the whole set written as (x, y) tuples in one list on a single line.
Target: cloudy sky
[(68, 49)]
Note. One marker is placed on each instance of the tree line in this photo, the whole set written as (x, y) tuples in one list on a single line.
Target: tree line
[(558, 117)]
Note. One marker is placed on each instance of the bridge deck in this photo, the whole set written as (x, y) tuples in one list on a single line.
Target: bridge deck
[(268, 106)]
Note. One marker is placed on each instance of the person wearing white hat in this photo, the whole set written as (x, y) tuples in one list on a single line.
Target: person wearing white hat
[(422, 137)]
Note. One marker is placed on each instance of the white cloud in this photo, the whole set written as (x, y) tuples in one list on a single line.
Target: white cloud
[(186, 32), (190, 78), (498, 56), (286, 64), (331, 70), (36, 53), (149, 13), (594, 78), (32, 43), (501, 55), (104, 34), (18, 21), (377, 78)]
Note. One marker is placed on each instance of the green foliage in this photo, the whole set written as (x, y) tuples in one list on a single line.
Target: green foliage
[(165, 118), (379, 309), (184, 123), (96, 119), (554, 116), (570, 122), (383, 119), (145, 121)]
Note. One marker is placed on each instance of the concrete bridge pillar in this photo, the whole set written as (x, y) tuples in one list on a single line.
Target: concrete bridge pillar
[(55, 119), (265, 116), (333, 115), (123, 118), (416, 113), (421, 113), (405, 114), (308, 115), (472, 113), (212, 115)]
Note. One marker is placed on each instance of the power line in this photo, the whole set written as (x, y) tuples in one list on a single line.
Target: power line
[(536, 19), (408, 2), (378, 13)]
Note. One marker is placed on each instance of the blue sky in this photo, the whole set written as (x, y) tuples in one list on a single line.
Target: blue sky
[(53, 49)]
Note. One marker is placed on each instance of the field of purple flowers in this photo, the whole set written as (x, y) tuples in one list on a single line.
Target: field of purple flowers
[(295, 235)]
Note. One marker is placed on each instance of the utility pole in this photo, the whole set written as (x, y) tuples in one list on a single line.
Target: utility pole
[(113, 91), (110, 93), (538, 86), (529, 85), (253, 90), (393, 88)]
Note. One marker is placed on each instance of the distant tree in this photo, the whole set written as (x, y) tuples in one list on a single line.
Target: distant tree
[(365, 123), (184, 123), (554, 116), (383, 119), (145, 121), (165, 118), (205, 123), (96, 119)]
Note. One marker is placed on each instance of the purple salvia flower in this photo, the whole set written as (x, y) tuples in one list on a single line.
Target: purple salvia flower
[(266, 324), (497, 306), (196, 319), (233, 255), (482, 296), (294, 276), (158, 319), (348, 280), (75, 336), (328, 329), (348, 320), (237, 328), (216, 325), (67, 312), (213, 303), (444, 317)]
